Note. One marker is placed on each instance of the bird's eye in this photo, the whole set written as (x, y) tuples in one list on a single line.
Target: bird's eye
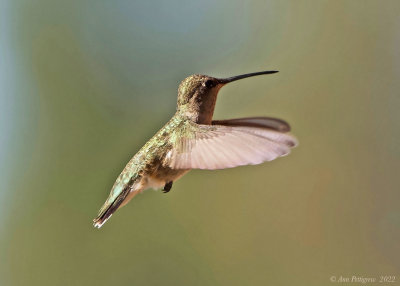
[(209, 83)]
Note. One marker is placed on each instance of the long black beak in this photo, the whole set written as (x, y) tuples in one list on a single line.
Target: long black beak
[(234, 78)]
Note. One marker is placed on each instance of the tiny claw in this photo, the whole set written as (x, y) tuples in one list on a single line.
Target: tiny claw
[(167, 187)]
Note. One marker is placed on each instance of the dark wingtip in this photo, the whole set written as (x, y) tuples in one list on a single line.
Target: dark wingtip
[(260, 122)]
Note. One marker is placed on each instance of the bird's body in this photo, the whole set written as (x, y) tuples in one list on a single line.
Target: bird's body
[(191, 140)]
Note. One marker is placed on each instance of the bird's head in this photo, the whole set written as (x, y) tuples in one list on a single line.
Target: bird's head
[(197, 95)]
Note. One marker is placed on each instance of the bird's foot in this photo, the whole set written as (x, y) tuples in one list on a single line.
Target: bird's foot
[(167, 187)]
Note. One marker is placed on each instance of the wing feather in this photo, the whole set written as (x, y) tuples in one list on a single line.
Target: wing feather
[(219, 147), (261, 122)]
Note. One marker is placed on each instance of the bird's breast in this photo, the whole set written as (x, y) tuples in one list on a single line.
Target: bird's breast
[(154, 183), (163, 175)]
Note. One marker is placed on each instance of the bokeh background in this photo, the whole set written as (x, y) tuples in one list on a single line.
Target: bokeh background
[(84, 84)]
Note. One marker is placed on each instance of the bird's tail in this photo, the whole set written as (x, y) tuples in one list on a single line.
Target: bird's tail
[(119, 196)]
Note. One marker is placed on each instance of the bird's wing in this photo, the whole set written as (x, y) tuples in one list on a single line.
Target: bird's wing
[(261, 122), (226, 146)]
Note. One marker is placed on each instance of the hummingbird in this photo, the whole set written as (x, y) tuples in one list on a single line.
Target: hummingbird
[(192, 140)]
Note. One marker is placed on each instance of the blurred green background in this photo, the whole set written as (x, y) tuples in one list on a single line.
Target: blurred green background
[(84, 84)]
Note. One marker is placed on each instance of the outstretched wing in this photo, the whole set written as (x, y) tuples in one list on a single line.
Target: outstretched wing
[(260, 122), (227, 146)]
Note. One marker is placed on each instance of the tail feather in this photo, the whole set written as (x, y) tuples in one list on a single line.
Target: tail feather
[(120, 194), (110, 207)]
